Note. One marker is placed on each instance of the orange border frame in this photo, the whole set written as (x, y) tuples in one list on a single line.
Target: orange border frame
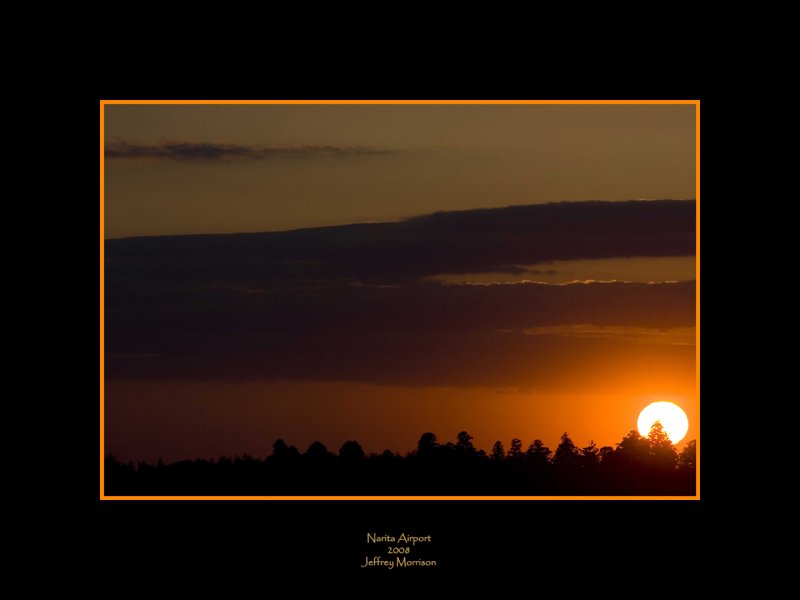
[(103, 104)]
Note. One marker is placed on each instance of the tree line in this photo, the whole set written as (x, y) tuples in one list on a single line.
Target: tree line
[(638, 465)]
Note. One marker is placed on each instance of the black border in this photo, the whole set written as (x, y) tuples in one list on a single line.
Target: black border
[(281, 537)]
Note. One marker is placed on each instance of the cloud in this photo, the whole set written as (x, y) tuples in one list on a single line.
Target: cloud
[(352, 303), (210, 151), (649, 335), (541, 271), (453, 242)]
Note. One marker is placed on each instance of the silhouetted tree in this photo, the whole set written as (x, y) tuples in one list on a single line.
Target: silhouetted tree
[(427, 444), (449, 449), (351, 452), (464, 442), (283, 453), (590, 456), (537, 453), (566, 453), (626, 468), (662, 452), (639, 465), (605, 454), (497, 451), (317, 453), (687, 459), (632, 450), (515, 451), (386, 459)]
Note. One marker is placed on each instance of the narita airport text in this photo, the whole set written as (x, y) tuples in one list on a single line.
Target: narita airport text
[(374, 538)]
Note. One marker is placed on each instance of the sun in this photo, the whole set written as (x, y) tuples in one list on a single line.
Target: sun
[(672, 418)]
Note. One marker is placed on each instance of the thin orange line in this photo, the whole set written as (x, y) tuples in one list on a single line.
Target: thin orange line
[(400, 498), (102, 300), (103, 103), (697, 290), (400, 101)]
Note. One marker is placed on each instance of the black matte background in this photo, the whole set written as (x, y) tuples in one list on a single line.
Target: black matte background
[(225, 545)]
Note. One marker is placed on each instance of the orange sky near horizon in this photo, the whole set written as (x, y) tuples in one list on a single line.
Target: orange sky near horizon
[(176, 420)]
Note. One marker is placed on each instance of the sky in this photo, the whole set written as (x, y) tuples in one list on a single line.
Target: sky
[(230, 168), (515, 271)]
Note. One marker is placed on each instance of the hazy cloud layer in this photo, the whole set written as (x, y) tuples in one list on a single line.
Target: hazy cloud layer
[(415, 335), (209, 151), (350, 303)]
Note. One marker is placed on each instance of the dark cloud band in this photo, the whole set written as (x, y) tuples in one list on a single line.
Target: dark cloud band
[(205, 151), (352, 303), (388, 253)]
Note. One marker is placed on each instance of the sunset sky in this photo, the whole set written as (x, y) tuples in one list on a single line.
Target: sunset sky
[(385, 320)]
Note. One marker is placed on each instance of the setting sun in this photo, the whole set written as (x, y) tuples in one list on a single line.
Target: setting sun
[(672, 418)]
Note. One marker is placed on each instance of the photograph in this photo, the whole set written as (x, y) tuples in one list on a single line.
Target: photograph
[(402, 300)]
